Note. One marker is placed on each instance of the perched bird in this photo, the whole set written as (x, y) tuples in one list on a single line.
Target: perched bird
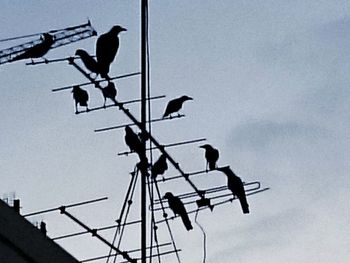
[(109, 92), (178, 208), (159, 167), (211, 155), (235, 184), (107, 46), (132, 140), (38, 50), (81, 97), (175, 105), (89, 62)]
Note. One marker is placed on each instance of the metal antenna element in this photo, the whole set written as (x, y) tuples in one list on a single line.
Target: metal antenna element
[(67, 206), (133, 124), (94, 234), (168, 145), (90, 83), (61, 37)]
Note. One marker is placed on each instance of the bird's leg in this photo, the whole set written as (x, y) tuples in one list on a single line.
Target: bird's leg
[(45, 60), (76, 108), (87, 109), (104, 104)]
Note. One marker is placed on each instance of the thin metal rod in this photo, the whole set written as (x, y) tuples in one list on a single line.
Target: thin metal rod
[(97, 229), (129, 251), (92, 81), (113, 105), (212, 205), (143, 159), (95, 234), (164, 179), (67, 206), (167, 145), (133, 124), (212, 191)]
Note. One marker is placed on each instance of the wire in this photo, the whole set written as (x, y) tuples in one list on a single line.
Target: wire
[(204, 237)]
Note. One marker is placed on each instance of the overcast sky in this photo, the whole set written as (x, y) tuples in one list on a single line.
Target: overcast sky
[(270, 86)]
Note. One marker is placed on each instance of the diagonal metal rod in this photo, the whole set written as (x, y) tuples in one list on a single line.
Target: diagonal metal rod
[(67, 206), (93, 82), (133, 124), (95, 234), (154, 141)]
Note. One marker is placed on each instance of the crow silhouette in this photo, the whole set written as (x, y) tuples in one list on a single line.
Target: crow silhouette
[(175, 105), (89, 62), (80, 97), (178, 208), (159, 167), (38, 50), (132, 140), (109, 92), (211, 155), (107, 46), (235, 184)]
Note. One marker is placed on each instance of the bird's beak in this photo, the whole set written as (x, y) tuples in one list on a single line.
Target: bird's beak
[(202, 146), (189, 98), (123, 29)]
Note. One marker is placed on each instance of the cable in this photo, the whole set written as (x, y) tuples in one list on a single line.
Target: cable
[(204, 238)]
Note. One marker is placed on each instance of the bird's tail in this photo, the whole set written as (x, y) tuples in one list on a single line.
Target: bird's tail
[(186, 221), (244, 204), (103, 69)]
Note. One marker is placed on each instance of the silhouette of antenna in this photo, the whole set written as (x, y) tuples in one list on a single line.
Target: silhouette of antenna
[(154, 204)]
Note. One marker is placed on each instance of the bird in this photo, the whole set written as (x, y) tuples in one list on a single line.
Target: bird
[(175, 105), (132, 140), (89, 62), (110, 92), (81, 97), (235, 184), (211, 155), (159, 167), (38, 50), (178, 208), (107, 46)]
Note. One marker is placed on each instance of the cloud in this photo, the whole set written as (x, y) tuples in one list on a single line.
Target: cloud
[(260, 134)]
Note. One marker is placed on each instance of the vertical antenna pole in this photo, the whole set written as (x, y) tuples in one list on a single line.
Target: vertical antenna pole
[(143, 124)]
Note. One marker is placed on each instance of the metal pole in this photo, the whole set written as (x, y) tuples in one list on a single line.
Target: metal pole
[(143, 124)]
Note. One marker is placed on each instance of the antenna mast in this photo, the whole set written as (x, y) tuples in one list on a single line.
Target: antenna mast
[(143, 158)]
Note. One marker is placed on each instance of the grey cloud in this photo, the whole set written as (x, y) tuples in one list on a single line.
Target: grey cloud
[(260, 134)]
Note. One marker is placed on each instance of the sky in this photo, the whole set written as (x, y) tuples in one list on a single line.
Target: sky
[(270, 86)]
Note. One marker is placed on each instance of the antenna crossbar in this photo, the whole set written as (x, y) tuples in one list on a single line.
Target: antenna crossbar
[(67, 206)]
